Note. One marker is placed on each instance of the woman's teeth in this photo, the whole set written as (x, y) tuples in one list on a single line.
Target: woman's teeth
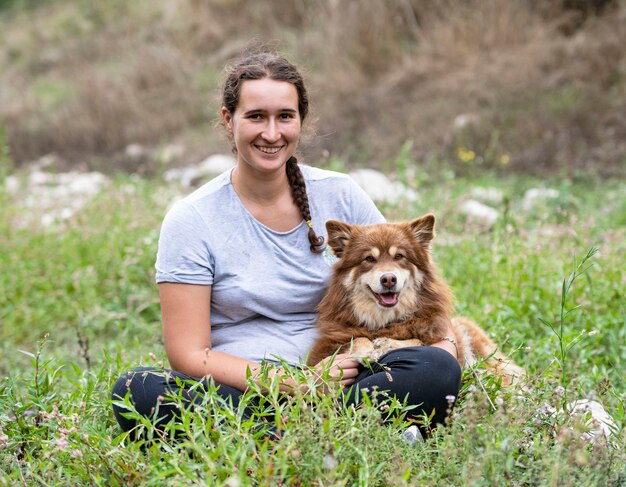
[(268, 150)]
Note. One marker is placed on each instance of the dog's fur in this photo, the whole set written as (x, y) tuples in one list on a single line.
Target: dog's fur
[(386, 293)]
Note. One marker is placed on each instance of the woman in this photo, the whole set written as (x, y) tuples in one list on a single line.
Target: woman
[(241, 264)]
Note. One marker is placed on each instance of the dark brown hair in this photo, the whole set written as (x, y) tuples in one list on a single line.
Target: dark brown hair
[(269, 65)]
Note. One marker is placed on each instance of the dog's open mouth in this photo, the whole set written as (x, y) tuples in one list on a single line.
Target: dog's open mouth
[(387, 300)]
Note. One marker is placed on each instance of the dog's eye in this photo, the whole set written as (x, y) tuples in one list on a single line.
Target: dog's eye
[(398, 256), (369, 258)]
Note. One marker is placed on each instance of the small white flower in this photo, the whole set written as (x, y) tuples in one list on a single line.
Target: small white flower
[(330, 462)]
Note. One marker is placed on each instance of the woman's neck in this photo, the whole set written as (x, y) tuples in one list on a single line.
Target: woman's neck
[(267, 198), (258, 187)]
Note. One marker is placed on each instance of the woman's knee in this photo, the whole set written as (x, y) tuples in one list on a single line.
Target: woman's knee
[(138, 382), (149, 391), (432, 370), (422, 358), (139, 390)]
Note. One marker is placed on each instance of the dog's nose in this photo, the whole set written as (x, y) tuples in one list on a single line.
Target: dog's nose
[(388, 280)]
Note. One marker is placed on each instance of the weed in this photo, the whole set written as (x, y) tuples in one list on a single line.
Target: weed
[(566, 345), (6, 163)]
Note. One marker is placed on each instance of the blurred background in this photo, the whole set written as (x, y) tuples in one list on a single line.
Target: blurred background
[(531, 86)]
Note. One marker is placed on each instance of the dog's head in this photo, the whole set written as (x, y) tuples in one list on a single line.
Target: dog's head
[(382, 267)]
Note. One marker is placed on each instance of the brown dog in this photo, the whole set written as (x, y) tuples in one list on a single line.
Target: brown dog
[(386, 293)]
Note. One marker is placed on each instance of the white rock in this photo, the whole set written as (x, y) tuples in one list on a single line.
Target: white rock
[(136, 151), (534, 196), (183, 175), (171, 152), (380, 188), (12, 184), (55, 197), (66, 213), (464, 120), (44, 162), (210, 167), (217, 164), (86, 183), (479, 212), (47, 219), (601, 425), (40, 178), (487, 195)]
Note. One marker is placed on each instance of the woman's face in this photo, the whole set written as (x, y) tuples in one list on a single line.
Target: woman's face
[(266, 124)]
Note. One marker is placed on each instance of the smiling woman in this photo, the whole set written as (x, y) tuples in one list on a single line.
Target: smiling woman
[(266, 125), (265, 129), (241, 270)]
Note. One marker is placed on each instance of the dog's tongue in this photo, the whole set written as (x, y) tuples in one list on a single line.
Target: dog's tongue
[(388, 299)]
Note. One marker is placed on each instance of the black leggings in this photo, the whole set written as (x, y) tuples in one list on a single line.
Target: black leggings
[(426, 377)]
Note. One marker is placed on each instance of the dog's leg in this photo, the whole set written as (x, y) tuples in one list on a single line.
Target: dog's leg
[(510, 372), (479, 343), (361, 349), (381, 346)]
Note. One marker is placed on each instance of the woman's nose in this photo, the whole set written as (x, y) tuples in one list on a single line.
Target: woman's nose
[(271, 132)]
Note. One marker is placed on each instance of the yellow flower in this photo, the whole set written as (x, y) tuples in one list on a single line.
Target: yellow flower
[(466, 155), (505, 159)]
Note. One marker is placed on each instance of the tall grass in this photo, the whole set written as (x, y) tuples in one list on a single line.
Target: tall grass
[(78, 306)]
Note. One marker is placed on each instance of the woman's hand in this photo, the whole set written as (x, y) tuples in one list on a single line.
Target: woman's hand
[(339, 368)]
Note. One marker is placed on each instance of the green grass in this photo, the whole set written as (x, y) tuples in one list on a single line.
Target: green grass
[(78, 305)]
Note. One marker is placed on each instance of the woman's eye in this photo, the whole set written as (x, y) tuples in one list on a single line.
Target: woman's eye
[(369, 258)]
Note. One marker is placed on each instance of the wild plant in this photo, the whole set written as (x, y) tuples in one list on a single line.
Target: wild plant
[(566, 345)]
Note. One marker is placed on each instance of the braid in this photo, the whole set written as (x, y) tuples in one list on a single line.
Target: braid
[(298, 190)]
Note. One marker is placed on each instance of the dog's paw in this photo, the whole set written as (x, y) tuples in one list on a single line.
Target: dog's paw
[(381, 342), (361, 349), (381, 347)]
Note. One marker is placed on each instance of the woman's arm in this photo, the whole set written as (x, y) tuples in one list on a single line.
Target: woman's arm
[(447, 345), (185, 310)]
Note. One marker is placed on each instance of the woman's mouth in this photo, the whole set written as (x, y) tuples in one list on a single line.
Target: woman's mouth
[(268, 150)]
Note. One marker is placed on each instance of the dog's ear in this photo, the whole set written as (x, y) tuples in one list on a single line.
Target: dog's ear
[(423, 229), (338, 235)]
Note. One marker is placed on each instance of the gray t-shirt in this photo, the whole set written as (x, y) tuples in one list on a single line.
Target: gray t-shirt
[(265, 284)]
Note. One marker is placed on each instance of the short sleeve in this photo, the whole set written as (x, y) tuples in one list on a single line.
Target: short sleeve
[(364, 210), (184, 254)]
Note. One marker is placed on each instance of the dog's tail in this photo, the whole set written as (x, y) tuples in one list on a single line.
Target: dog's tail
[(477, 344)]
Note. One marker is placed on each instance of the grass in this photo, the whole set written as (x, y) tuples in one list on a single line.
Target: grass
[(78, 306)]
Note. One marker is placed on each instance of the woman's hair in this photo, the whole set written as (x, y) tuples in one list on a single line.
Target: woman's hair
[(269, 65), (259, 66)]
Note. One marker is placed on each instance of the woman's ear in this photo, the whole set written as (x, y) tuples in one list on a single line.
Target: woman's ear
[(227, 119)]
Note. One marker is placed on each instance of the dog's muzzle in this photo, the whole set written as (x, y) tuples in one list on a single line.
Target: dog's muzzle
[(388, 297)]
